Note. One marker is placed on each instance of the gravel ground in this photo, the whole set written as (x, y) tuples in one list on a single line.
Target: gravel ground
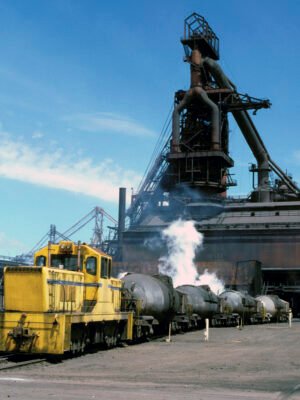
[(258, 362)]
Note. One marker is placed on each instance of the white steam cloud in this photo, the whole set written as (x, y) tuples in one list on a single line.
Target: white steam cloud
[(211, 279), (183, 240)]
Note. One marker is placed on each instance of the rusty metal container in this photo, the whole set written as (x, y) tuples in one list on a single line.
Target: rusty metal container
[(274, 308), (233, 302), (204, 302), (155, 294)]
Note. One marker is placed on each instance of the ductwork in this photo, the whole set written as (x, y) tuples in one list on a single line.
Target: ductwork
[(197, 92), (249, 131), (201, 96)]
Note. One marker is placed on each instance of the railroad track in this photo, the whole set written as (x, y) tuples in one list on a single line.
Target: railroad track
[(21, 364)]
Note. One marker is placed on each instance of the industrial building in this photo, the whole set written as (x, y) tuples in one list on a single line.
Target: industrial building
[(251, 243)]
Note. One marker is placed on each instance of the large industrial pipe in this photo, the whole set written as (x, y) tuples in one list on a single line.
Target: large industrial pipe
[(218, 74), (249, 131), (200, 94), (196, 92), (121, 219), (246, 126)]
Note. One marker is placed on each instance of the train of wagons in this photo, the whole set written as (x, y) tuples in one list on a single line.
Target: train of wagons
[(69, 300)]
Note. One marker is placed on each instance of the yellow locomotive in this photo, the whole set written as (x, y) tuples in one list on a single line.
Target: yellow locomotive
[(67, 300)]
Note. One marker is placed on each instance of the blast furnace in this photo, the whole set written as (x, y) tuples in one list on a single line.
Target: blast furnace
[(253, 243)]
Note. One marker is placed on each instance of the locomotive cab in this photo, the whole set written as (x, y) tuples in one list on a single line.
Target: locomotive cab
[(96, 267)]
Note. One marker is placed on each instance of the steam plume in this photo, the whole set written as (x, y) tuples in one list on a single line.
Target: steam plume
[(183, 240), (211, 279)]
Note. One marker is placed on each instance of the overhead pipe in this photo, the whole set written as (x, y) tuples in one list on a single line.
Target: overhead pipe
[(196, 91), (249, 131), (262, 157), (286, 179)]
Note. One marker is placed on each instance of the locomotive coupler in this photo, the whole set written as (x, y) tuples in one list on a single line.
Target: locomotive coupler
[(21, 334)]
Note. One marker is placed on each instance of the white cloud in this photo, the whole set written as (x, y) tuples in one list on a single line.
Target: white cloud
[(109, 122), (37, 135), (60, 171)]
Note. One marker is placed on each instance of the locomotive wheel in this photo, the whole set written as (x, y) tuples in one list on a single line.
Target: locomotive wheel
[(111, 334), (78, 339)]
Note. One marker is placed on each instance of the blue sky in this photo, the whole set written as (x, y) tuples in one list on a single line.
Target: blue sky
[(86, 86)]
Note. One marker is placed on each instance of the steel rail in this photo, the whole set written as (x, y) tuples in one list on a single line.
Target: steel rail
[(22, 364)]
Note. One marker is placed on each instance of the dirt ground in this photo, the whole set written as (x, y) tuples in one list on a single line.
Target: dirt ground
[(256, 363)]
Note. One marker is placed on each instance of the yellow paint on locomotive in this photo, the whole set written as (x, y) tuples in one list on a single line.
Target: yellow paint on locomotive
[(42, 289), (33, 332), (69, 287)]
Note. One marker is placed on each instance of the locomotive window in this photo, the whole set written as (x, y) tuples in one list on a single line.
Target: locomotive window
[(41, 261), (109, 268), (65, 261), (104, 267), (91, 265)]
